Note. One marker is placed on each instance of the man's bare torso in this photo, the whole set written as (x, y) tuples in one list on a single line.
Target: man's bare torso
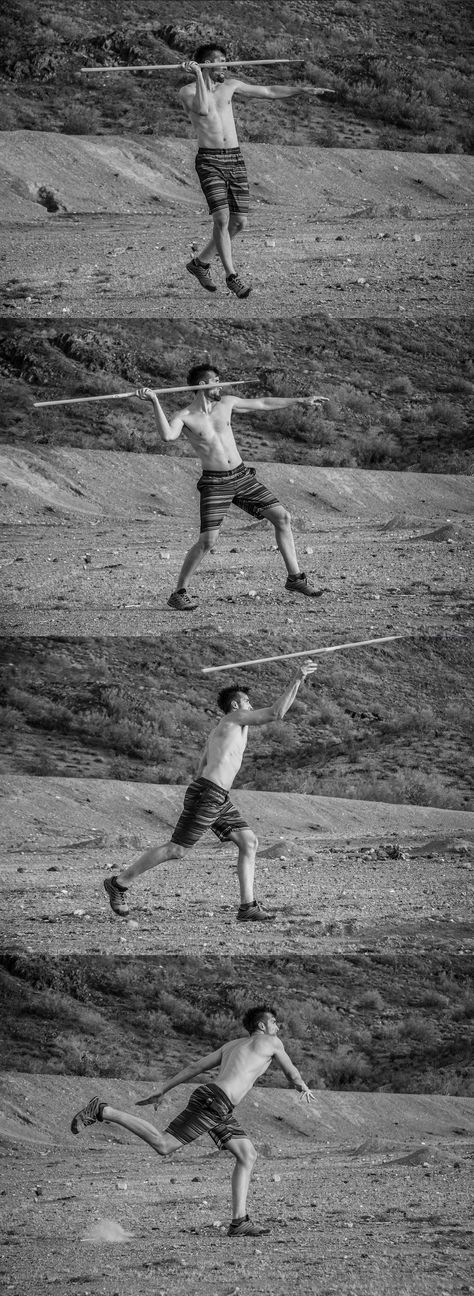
[(217, 129), (211, 435), (243, 1061), (223, 753)]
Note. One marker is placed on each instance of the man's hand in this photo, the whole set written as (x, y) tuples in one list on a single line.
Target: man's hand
[(154, 1099), (306, 668), (146, 393), (316, 90), (191, 66), (306, 1095)]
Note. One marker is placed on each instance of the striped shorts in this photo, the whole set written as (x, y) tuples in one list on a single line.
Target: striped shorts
[(209, 1111), (206, 806), (240, 486), (223, 179)]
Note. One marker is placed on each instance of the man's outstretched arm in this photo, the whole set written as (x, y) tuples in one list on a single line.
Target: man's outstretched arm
[(264, 403), (267, 715), (291, 1071), (277, 91), (188, 1073)]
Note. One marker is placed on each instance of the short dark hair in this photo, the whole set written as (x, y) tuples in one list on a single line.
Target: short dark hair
[(198, 372), (205, 51), (227, 695), (254, 1015)]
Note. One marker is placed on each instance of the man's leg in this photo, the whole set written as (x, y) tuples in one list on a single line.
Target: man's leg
[(117, 884), (195, 555), (245, 1157), (281, 520), (247, 843), (161, 1143), (149, 860), (98, 1111), (297, 581), (220, 243), (249, 909), (237, 223)]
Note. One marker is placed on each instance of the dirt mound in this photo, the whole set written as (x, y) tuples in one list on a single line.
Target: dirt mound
[(119, 175), (39, 1109), (114, 485)]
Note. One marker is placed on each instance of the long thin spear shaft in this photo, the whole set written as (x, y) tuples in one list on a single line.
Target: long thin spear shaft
[(168, 67), (159, 391), (306, 652)]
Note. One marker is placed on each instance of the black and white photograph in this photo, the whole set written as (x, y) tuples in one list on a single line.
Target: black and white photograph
[(236, 648)]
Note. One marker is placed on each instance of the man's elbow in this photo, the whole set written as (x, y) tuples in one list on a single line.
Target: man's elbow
[(277, 711)]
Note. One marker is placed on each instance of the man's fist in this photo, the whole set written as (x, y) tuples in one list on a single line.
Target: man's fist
[(306, 668)]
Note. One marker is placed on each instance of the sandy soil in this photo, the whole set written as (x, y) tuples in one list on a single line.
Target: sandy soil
[(95, 545), (341, 875), (364, 1194), (346, 231)]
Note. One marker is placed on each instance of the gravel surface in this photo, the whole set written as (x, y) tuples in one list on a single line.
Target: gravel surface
[(340, 875), (349, 232), (364, 1195), (94, 547)]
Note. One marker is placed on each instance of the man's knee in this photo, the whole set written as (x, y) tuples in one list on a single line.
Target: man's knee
[(247, 840), (167, 1145), (221, 218), (281, 517), (207, 541), (239, 222), (177, 851), (248, 1154)]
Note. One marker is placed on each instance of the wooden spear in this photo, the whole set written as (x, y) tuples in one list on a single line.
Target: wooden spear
[(305, 652)]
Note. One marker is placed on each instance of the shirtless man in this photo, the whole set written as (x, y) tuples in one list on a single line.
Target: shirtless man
[(219, 162), (225, 479), (211, 1106), (207, 803)]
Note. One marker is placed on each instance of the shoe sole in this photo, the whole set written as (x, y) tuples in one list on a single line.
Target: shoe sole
[(306, 593), (212, 288), (78, 1123), (240, 296), (120, 913), (182, 609), (266, 919)]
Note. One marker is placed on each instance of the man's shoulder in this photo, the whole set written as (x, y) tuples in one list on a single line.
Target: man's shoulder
[(186, 92)]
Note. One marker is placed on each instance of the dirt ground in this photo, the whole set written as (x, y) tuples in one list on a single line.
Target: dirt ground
[(95, 546), (341, 875), (349, 232), (364, 1195)]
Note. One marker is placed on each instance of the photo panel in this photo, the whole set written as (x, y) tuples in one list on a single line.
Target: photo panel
[(236, 648), (102, 1192)]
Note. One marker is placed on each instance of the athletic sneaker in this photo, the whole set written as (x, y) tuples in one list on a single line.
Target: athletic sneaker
[(299, 585), (202, 273), (245, 1228), (254, 913), (181, 602), (236, 286), (87, 1115), (117, 896)]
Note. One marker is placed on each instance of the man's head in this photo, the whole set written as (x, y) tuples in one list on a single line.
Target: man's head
[(201, 375), (261, 1018), (234, 698), (212, 54)]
